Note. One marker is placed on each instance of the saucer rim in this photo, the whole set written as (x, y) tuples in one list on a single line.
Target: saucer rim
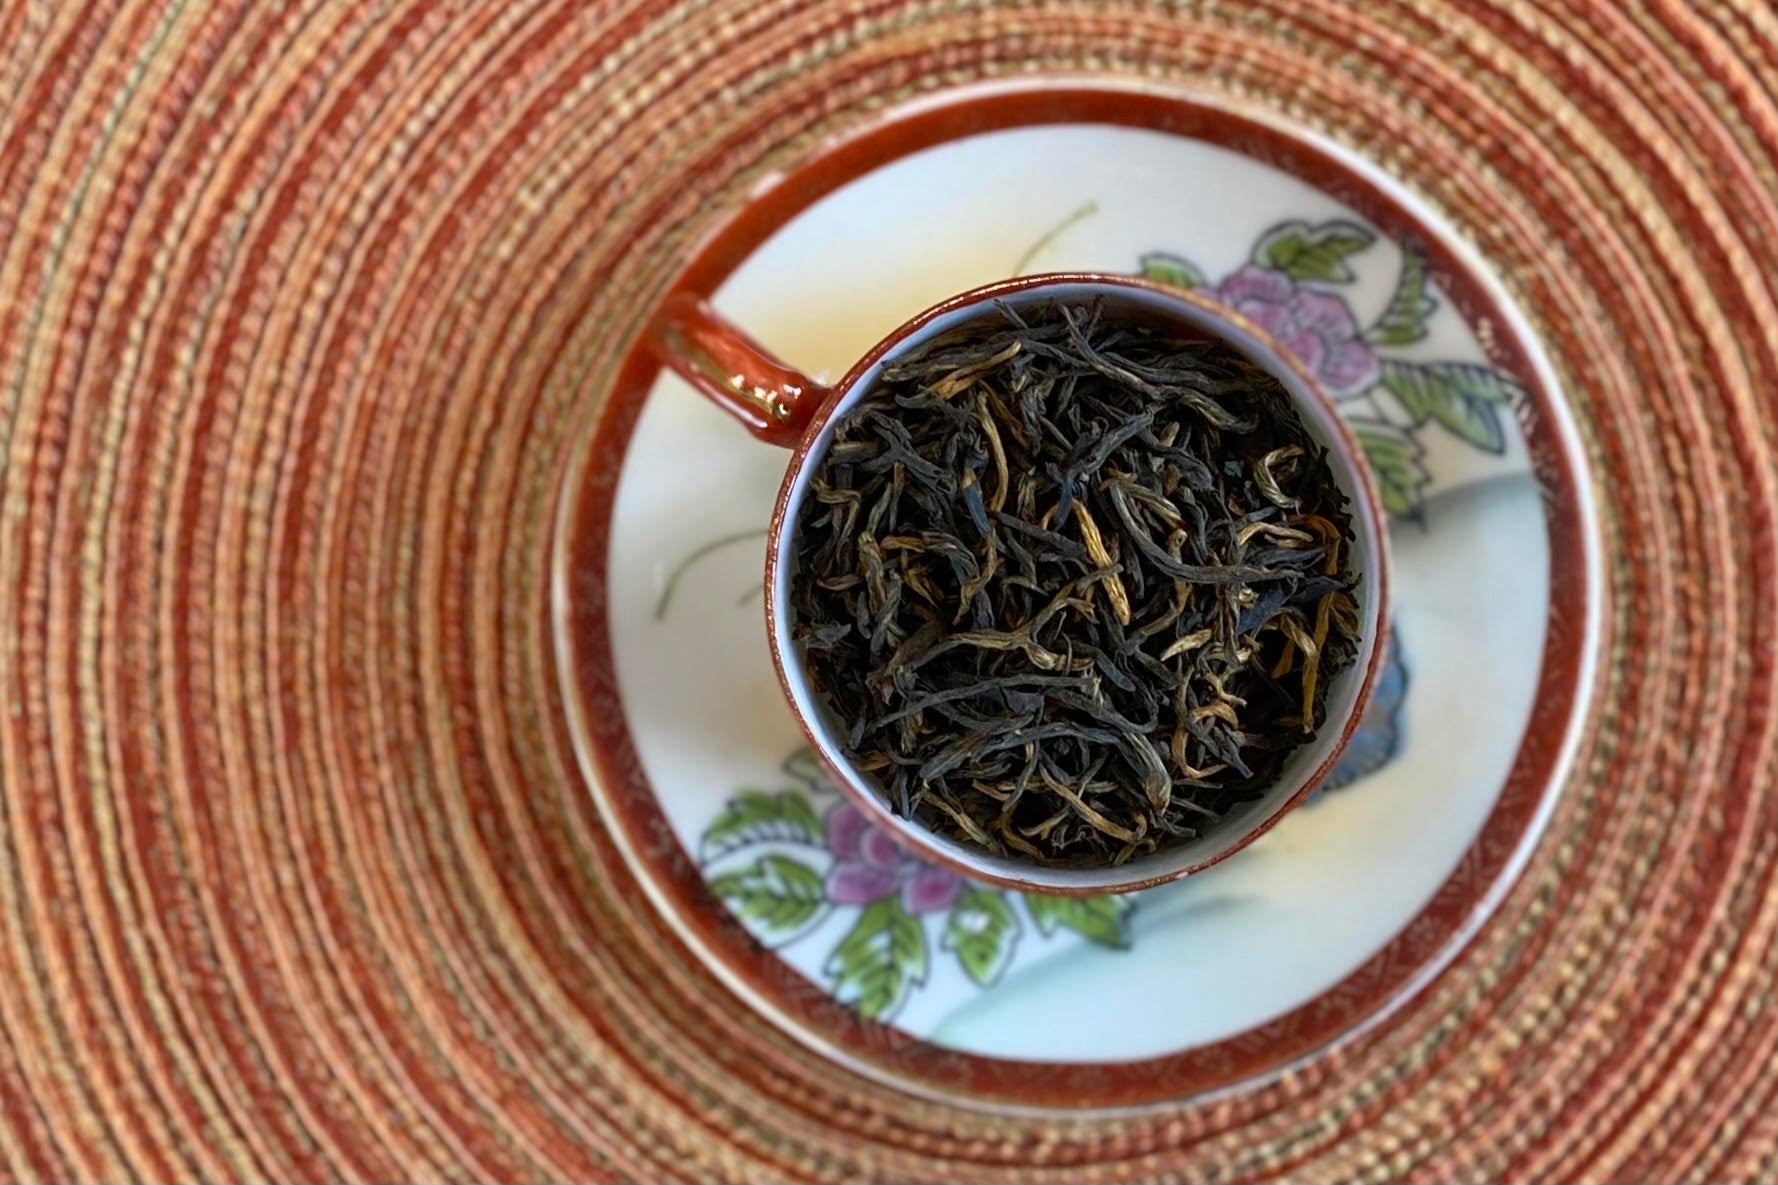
[(1490, 865)]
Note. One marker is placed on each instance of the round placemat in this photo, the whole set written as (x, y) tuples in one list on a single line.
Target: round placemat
[(302, 309)]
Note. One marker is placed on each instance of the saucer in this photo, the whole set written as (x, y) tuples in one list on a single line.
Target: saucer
[(1354, 902)]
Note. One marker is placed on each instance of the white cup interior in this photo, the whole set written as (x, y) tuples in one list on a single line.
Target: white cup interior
[(1343, 691)]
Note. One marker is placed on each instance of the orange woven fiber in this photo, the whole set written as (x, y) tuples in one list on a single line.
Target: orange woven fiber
[(302, 307)]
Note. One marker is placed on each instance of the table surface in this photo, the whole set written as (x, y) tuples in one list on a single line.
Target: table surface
[(301, 309)]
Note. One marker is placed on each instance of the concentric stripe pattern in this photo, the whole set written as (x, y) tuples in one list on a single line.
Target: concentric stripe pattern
[(301, 309)]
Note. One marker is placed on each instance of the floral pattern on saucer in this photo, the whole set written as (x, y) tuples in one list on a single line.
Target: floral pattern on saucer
[(785, 860), (1290, 288)]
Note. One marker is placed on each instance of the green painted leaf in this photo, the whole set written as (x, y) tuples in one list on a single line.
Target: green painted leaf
[(983, 931), (1397, 460), (881, 957), (1307, 252), (1464, 398), (804, 767), (1172, 269), (755, 816), (778, 894), (1105, 920), (1404, 321)]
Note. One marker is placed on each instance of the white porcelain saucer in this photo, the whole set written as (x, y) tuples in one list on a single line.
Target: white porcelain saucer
[(1354, 901)]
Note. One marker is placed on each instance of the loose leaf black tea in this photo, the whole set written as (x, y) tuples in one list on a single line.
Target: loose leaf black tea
[(1075, 587)]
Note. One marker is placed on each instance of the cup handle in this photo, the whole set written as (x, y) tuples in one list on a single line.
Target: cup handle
[(736, 373)]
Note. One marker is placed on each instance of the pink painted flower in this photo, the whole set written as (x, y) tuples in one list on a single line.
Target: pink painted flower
[(1315, 326), (868, 865)]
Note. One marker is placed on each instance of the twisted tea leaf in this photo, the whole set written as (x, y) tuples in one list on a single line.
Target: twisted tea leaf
[(1076, 587)]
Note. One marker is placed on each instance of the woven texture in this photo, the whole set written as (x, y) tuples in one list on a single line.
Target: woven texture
[(301, 307)]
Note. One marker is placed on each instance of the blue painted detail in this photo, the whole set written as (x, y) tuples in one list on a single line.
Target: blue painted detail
[(1378, 738)]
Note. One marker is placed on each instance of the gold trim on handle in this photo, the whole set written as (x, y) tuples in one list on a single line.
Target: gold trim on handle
[(772, 403)]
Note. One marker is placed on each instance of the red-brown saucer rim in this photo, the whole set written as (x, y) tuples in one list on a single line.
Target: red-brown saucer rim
[(1421, 949)]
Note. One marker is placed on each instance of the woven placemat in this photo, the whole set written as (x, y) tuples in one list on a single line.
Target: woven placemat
[(301, 308)]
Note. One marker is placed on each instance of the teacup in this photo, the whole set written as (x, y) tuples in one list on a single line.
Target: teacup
[(780, 405)]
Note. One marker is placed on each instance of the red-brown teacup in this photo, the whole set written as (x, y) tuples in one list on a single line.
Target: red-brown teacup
[(780, 405)]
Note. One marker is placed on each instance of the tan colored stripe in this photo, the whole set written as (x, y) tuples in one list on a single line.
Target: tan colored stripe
[(339, 906)]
